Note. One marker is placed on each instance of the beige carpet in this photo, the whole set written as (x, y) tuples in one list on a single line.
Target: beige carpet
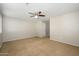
[(38, 47)]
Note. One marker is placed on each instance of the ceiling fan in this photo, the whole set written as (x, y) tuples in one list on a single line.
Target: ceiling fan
[(37, 14)]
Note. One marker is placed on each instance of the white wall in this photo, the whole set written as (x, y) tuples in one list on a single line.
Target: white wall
[(65, 28), (0, 23), (0, 30), (14, 29), (17, 29)]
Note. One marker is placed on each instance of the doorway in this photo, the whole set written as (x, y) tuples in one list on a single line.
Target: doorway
[(47, 28)]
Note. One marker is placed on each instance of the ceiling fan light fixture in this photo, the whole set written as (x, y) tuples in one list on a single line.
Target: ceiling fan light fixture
[(36, 16)]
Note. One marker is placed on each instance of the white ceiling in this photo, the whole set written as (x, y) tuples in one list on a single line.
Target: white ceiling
[(20, 10)]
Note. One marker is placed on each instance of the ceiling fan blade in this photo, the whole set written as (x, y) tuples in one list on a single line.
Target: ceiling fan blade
[(42, 15), (31, 16), (31, 13)]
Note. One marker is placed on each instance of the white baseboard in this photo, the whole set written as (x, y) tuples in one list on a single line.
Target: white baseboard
[(20, 38), (65, 42)]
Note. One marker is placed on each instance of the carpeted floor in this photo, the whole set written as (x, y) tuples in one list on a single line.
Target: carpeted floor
[(38, 47)]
